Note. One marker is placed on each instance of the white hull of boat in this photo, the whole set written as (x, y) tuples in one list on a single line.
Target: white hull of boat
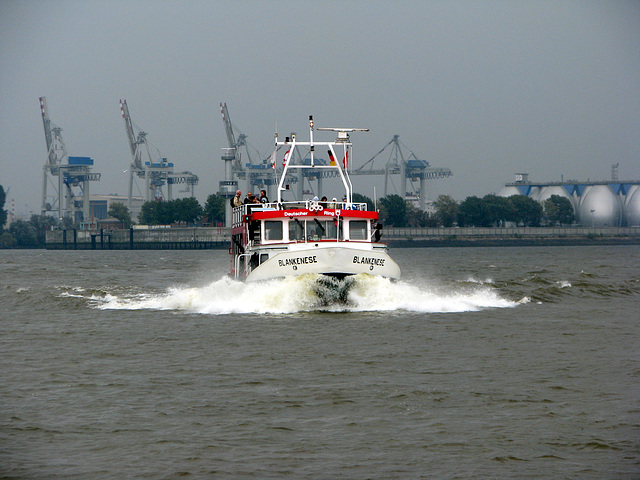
[(327, 260)]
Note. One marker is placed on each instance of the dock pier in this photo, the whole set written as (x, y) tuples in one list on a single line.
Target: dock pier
[(191, 238)]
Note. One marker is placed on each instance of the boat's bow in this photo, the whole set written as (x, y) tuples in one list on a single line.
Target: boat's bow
[(334, 260)]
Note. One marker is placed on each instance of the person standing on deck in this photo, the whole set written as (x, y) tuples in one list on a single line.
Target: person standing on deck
[(237, 200)]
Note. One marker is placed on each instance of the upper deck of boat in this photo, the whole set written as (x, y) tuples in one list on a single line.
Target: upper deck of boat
[(307, 208)]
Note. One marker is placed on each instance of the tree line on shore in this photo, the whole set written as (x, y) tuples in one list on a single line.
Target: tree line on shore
[(488, 211)]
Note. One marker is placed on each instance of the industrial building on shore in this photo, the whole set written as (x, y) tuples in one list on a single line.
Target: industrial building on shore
[(609, 203)]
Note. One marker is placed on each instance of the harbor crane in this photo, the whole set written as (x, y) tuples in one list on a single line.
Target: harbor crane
[(258, 174), (156, 173), (234, 152), (409, 167), (69, 176)]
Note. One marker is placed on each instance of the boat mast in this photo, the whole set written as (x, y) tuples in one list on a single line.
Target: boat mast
[(311, 146), (343, 138)]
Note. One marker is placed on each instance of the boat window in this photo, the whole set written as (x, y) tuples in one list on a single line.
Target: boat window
[(322, 229), (264, 257), (316, 230), (358, 230), (296, 230), (273, 230), (332, 229)]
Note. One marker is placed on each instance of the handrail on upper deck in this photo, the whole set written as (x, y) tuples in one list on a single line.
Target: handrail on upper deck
[(300, 204)]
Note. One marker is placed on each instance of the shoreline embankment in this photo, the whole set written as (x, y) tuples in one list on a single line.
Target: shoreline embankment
[(205, 238), (513, 242), (511, 236)]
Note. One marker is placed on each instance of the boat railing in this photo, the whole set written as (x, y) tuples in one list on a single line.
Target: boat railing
[(318, 205), (237, 265)]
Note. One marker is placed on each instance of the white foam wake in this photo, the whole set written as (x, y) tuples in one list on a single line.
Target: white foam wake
[(299, 294)]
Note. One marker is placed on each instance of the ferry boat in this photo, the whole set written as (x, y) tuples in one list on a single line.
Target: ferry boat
[(291, 238)]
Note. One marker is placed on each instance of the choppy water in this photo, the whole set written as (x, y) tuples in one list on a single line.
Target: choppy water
[(480, 363)]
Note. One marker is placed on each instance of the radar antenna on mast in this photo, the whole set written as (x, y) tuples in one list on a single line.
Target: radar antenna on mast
[(343, 133)]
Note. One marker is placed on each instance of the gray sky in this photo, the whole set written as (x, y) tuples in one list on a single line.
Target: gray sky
[(486, 88)]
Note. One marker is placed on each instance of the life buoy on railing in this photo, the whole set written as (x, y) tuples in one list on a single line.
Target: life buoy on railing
[(315, 206)]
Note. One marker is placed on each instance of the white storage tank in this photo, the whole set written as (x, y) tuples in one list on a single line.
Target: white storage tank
[(600, 207), (535, 193), (548, 192), (630, 191), (632, 208), (509, 191)]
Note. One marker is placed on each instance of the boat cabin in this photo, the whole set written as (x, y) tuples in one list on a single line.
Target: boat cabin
[(272, 227)]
